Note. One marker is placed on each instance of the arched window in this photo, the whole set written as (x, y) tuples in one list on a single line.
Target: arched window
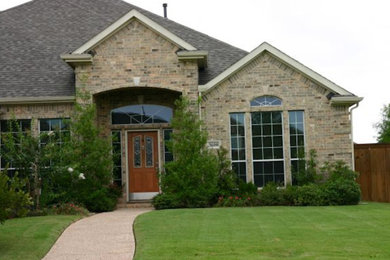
[(266, 101), (141, 114)]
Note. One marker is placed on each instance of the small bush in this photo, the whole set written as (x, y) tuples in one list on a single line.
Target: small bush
[(14, 201), (101, 200), (227, 179), (247, 189), (271, 195), (342, 192), (166, 201), (310, 195), (69, 209), (236, 201), (289, 194)]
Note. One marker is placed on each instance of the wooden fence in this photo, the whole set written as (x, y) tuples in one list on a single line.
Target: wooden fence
[(372, 161)]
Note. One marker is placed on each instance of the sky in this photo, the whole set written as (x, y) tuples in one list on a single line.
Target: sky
[(346, 41)]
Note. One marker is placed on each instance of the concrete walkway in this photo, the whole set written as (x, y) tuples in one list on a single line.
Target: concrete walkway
[(102, 236)]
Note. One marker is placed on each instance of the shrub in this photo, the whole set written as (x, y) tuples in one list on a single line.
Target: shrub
[(101, 200), (166, 201), (247, 189), (289, 195), (236, 201), (192, 177), (271, 195), (310, 195), (227, 179), (342, 192), (15, 202), (69, 209), (307, 170)]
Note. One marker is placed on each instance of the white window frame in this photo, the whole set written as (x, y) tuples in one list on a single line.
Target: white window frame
[(230, 141)]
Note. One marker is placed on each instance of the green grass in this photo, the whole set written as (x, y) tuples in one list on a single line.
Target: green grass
[(32, 237), (344, 232)]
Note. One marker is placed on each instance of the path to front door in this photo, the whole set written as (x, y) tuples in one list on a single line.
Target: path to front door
[(143, 164)]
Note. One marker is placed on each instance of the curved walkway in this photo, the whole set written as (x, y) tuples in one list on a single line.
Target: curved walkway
[(102, 236)]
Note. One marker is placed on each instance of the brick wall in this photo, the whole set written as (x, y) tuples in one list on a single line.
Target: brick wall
[(327, 128)]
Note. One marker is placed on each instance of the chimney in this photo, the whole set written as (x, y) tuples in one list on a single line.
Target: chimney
[(165, 10)]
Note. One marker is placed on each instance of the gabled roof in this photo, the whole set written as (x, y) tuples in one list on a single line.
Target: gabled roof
[(122, 22), (266, 47), (35, 34)]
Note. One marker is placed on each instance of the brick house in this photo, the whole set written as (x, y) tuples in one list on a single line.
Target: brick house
[(263, 106)]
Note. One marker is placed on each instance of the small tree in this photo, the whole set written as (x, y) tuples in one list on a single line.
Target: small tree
[(23, 150), (84, 172), (191, 179), (384, 126)]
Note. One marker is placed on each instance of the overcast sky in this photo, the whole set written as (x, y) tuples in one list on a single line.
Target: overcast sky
[(347, 41)]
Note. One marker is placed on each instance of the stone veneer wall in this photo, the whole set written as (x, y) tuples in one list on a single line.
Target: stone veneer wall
[(327, 128)]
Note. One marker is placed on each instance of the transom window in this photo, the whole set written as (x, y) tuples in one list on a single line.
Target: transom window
[(266, 101), (141, 114)]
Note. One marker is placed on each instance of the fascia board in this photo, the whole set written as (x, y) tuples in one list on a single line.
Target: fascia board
[(123, 21), (284, 58)]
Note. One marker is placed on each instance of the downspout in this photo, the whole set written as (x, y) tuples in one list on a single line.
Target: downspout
[(200, 105), (353, 147)]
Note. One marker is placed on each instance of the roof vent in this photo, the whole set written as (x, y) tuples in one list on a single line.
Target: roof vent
[(165, 5)]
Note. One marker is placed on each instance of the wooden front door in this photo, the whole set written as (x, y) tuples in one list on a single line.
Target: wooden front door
[(143, 161)]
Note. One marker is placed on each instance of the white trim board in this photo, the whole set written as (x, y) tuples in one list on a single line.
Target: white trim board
[(123, 21), (281, 56)]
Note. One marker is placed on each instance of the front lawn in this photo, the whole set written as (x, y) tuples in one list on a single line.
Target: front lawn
[(342, 232), (32, 237)]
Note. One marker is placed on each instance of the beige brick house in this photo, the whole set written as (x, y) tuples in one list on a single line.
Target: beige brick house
[(263, 106)]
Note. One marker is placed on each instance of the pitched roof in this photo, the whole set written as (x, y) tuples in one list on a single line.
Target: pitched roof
[(33, 36), (266, 47)]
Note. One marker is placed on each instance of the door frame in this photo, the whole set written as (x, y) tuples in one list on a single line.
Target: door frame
[(141, 195)]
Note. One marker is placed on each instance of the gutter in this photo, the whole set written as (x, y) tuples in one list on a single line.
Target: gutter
[(37, 100)]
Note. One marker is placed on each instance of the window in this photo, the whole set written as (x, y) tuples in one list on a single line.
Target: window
[(237, 144), (168, 156), (267, 145), (266, 101), (141, 114), (57, 130), (117, 157), (13, 126), (297, 141)]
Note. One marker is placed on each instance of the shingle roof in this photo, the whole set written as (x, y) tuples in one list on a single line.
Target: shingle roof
[(33, 35)]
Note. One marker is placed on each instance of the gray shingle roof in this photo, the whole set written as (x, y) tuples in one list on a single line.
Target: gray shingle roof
[(33, 35)]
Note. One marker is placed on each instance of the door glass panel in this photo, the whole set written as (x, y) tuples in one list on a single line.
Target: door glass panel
[(137, 151), (149, 151)]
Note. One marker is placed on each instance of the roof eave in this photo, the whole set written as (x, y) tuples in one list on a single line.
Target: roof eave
[(199, 56), (37, 100), (345, 100), (73, 59)]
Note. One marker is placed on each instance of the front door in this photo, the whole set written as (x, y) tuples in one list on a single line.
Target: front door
[(143, 162)]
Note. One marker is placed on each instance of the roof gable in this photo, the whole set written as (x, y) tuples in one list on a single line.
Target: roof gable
[(266, 47), (122, 22)]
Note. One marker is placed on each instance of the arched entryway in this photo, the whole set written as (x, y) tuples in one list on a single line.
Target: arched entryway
[(140, 121)]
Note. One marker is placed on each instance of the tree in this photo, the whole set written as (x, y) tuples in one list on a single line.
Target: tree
[(191, 179), (24, 151), (384, 126)]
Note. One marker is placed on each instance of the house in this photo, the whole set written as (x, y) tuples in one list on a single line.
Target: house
[(263, 106)]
